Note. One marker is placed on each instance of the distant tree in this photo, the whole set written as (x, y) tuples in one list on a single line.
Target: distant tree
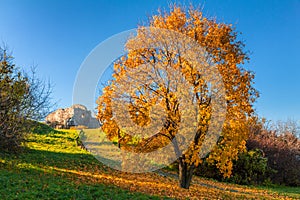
[(38, 102), (22, 98), (220, 41), (289, 126)]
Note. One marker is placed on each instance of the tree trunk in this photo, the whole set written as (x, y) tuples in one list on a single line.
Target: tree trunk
[(185, 170), (119, 139), (185, 174)]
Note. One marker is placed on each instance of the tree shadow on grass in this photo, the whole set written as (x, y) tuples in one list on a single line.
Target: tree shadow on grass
[(49, 159)]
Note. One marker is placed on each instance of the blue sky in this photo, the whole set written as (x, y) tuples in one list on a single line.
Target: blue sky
[(58, 35)]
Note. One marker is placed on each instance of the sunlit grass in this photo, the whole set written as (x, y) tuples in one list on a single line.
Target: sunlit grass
[(49, 170)]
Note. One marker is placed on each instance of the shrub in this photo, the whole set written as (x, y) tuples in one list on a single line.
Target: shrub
[(13, 88), (23, 98), (251, 168), (208, 170)]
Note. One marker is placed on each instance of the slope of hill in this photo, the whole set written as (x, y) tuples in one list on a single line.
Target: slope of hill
[(54, 167)]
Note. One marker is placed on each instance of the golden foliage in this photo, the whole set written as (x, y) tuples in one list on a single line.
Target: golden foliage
[(221, 43)]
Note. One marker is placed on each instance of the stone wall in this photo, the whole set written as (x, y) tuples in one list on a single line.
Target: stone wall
[(76, 115)]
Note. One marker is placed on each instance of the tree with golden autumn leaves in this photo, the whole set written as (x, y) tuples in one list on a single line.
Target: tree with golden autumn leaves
[(166, 92)]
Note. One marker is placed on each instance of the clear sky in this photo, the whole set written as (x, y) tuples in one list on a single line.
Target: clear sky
[(58, 35)]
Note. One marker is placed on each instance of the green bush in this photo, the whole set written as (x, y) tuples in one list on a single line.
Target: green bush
[(251, 168)]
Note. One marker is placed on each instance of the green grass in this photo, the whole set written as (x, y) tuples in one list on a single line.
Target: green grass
[(293, 192)]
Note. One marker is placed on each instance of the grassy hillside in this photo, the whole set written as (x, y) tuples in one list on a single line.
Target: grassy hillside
[(54, 167)]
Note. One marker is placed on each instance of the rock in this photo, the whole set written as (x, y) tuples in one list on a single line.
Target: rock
[(76, 115)]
